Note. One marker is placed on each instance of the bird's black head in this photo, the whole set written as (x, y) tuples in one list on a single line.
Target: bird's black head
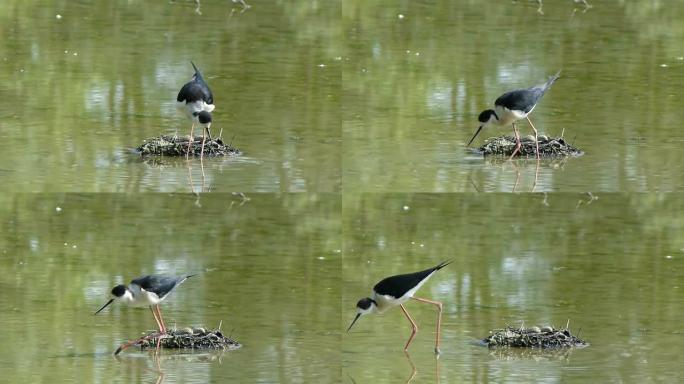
[(486, 115), (119, 290), (363, 307), (485, 118), (365, 303), (203, 117)]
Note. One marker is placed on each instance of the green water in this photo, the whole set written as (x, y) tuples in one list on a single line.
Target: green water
[(268, 270), (413, 89), (282, 274), (611, 267), (81, 91), (352, 118)]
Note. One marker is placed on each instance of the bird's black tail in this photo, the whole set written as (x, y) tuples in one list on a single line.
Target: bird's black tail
[(551, 80), (181, 279), (198, 74), (442, 265)]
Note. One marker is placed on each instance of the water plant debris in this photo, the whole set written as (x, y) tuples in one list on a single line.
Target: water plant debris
[(185, 338), (178, 146), (548, 147), (533, 337)]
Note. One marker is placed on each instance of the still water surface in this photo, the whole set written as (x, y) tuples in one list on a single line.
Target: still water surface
[(317, 94), (269, 270), (416, 75), (294, 80), (611, 266), (82, 90)]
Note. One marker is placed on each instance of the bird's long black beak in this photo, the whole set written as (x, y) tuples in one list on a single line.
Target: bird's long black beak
[(104, 306), (475, 135), (352, 324)]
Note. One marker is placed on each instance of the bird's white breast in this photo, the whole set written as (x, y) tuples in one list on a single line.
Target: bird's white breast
[(385, 302), (507, 116), (197, 106), (142, 298), (149, 298)]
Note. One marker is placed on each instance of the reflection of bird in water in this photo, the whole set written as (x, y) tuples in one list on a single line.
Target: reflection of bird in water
[(396, 290), (242, 2), (541, 5), (194, 97), (146, 291), (513, 106)]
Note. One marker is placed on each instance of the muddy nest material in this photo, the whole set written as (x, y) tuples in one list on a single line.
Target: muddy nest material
[(548, 147), (192, 338), (534, 337), (178, 146)]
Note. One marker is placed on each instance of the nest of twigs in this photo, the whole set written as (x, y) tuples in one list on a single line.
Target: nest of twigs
[(548, 147), (178, 146), (191, 338), (533, 337)]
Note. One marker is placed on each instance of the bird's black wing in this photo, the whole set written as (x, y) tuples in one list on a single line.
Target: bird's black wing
[(525, 99), (159, 284), (195, 91), (206, 92), (397, 286), (520, 99)]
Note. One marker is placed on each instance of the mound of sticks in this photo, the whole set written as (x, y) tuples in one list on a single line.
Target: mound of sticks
[(185, 338), (178, 146), (533, 337), (548, 147)]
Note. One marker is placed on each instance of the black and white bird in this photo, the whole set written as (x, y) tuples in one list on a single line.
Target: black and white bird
[(194, 97), (395, 291), (513, 106), (147, 291)]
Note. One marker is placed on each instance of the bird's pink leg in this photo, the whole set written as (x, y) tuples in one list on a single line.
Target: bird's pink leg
[(159, 324), (439, 319), (517, 142), (536, 175), (162, 328), (203, 141), (413, 367), (155, 318), (414, 327), (133, 342), (536, 142), (161, 319), (192, 131)]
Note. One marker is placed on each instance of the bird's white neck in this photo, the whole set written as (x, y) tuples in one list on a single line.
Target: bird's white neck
[(127, 297), (494, 118)]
